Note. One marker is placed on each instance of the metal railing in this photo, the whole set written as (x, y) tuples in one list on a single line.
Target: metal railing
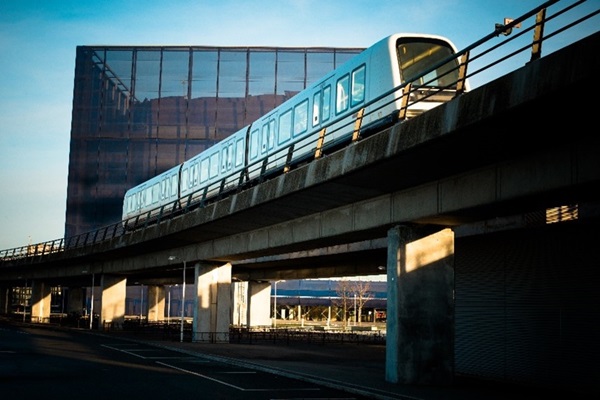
[(500, 45)]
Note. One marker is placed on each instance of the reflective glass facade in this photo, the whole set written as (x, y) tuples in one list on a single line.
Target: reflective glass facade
[(138, 111)]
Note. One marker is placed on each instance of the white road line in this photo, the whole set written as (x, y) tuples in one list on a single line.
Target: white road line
[(234, 386), (133, 352)]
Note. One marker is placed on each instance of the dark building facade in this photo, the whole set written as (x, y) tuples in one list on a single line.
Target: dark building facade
[(138, 111)]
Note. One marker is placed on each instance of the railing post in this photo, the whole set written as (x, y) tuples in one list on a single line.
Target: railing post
[(538, 34), (320, 141), (358, 124), (462, 75), (404, 105)]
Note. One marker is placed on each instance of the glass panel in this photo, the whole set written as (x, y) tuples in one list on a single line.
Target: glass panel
[(203, 105), (224, 160), (271, 133), (145, 101), (291, 78), (147, 70), (341, 97), (204, 170), (301, 118), (254, 144), (326, 103), (261, 85), (239, 157), (264, 138), (318, 65), (417, 57), (116, 93), (316, 108), (230, 155), (341, 56), (358, 85), (214, 164), (174, 94), (232, 92), (285, 126)]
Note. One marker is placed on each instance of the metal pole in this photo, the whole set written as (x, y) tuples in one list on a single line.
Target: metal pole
[(92, 303), (24, 301), (141, 302), (182, 303), (275, 307), (169, 307), (355, 313)]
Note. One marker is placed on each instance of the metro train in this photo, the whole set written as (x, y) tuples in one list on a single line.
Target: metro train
[(322, 116)]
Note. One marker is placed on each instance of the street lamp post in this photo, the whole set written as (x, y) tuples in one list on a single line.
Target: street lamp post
[(169, 307), (92, 302), (171, 258), (355, 313), (275, 307), (182, 303)]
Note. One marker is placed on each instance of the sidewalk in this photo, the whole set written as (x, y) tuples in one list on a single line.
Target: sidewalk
[(357, 368)]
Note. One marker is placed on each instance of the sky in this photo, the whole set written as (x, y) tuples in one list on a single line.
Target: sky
[(38, 40)]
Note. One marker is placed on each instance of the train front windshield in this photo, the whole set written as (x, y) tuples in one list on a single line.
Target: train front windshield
[(416, 57)]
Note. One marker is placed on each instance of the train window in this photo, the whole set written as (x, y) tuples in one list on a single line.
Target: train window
[(254, 138), (164, 188), (341, 96), (195, 173), (184, 178), (174, 185), (155, 192), (316, 108), (224, 159), (285, 126), (230, 155), (358, 85), (239, 157), (214, 165), (271, 133), (325, 103), (301, 118), (148, 196), (204, 170), (264, 138), (416, 57)]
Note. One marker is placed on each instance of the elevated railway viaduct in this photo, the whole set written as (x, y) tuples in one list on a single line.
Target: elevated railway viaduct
[(455, 205)]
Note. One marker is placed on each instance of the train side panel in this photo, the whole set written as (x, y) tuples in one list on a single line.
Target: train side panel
[(214, 171), (146, 199)]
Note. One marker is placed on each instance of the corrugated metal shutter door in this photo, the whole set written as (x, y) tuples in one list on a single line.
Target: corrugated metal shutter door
[(528, 306)]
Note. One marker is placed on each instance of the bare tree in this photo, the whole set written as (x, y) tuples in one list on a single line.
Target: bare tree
[(362, 290), (344, 295), (353, 294)]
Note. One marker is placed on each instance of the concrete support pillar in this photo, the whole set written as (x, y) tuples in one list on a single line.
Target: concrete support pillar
[(75, 300), (156, 303), (240, 304), (212, 311), (259, 304), (114, 291), (40, 302), (5, 300), (420, 306)]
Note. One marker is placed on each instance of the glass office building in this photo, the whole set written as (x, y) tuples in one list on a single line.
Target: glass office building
[(138, 111)]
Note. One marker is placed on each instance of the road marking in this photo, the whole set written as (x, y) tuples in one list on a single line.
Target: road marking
[(233, 386), (133, 352)]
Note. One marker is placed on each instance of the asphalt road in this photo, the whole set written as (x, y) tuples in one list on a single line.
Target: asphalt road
[(54, 363)]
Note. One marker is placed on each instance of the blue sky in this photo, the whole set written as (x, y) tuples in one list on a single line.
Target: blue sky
[(38, 40)]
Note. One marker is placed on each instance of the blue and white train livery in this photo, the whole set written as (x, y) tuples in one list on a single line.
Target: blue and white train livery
[(369, 86)]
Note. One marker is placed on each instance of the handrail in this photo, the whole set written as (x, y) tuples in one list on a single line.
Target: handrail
[(465, 56)]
